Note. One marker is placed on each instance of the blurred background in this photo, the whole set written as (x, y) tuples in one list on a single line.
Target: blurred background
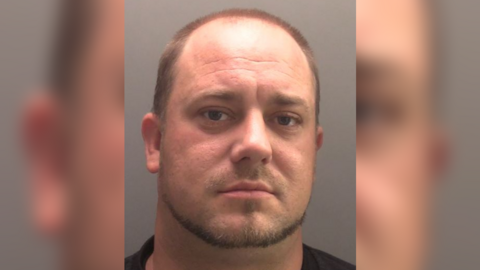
[(417, 134), (26, 36), (456, 243), (61, 112)]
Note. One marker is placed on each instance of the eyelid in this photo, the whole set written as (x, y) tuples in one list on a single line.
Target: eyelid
[(297, 118), (289, 114), (205, 114), (224, 110)]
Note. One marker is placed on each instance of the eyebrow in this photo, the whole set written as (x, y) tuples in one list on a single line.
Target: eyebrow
[(281, 99), (276, 99), (219, 94)]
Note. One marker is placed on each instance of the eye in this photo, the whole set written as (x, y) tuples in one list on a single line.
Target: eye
[(215, 115), (285, 120)]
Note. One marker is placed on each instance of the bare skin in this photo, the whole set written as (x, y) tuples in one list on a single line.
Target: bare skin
[(255, 80)]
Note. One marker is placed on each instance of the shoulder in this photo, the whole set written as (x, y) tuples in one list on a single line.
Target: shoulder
[(138, 260), (317, 259), (128, 262), (134, 262)]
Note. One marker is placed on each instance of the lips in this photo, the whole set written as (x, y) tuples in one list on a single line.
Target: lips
[(248, 186)]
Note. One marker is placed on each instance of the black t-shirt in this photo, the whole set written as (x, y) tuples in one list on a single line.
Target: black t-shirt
[(313, 259)]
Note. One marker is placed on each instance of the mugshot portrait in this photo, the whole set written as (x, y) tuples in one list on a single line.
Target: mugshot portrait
[(269, 142), (241, 123)]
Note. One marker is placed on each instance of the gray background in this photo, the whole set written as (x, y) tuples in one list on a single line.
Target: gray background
[(329, 26)]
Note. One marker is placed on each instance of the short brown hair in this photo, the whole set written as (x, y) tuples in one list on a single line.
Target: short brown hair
[(166, 69)]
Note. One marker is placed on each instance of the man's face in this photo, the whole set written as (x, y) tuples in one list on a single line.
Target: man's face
[(242, 111), (394, 134)]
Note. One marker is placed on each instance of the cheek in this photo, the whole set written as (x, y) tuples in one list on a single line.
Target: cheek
[(188, 147), (294, 157), (189, 157), (296, 164)]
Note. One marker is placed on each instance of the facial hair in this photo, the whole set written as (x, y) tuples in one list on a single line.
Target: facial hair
[(250, 235)]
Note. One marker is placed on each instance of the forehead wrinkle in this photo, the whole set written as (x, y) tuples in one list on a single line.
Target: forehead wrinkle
[(245, 69), (239, 58), (241, 61), (275, 66)]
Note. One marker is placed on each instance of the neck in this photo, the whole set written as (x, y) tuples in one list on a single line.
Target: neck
[(178, 249)]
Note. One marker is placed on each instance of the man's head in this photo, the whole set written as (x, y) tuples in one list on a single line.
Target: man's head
[(234, 132), (399, 146)]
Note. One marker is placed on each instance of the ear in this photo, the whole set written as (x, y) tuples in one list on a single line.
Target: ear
[(151, 139), (319, 137), (42, 140)]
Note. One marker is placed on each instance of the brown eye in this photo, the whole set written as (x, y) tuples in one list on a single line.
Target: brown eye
[(285, 120), (215, 115)]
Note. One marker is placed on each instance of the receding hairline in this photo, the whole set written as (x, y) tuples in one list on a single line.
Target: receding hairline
[(236, 19), (239, 15), (228, 21)]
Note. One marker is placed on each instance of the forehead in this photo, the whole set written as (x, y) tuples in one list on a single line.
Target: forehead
[(243, 37), (395, 32), (239, 43)]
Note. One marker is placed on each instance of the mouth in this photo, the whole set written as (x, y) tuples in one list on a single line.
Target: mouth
[(247, 190)]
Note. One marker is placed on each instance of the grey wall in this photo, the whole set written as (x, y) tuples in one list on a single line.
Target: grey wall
[(329, 26)]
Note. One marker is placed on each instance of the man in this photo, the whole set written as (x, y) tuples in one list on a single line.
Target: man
[(400, 149), (74, 137), (233, 137)]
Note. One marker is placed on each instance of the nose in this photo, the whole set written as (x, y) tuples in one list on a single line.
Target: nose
[(253, 145)]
